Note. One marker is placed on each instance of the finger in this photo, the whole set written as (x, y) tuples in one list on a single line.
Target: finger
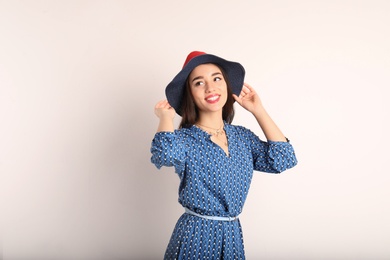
[(245, 89), (168, 105), (158, 104), (244, 92), (163, 104), (238, 99), (249, 87)]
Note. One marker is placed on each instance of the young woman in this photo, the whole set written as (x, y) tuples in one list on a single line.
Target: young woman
[(213, 158)]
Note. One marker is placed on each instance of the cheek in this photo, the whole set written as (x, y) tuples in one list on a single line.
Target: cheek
[(193, 92), (224, 88), (195, 97), (196, 93)]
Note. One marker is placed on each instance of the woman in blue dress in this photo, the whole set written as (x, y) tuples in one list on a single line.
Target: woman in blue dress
[(213, 158)]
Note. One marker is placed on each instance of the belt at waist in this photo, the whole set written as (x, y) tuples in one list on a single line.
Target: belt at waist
[(188, 211)]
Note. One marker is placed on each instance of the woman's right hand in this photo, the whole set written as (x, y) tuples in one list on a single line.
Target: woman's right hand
[(166, 113), (164, 110)]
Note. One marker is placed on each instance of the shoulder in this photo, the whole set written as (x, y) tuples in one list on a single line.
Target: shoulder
[(184, 132), (242, 133), (179, 138), (184, 135), (238, 129)]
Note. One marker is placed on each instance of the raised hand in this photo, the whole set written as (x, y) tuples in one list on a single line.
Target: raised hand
[(248, 98), (163, 109), (166, 114)]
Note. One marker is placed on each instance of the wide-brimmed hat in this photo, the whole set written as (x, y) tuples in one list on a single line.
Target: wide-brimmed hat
[(234, 71)]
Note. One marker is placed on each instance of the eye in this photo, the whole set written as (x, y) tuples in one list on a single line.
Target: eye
[(198, 83), (217, 78)]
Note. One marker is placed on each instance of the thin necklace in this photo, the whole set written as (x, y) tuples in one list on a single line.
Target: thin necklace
[(216, 132)]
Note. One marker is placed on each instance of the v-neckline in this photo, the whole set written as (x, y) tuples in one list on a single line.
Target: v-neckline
[(227, 152)]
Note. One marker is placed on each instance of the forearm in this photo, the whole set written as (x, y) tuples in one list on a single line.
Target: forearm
[(270, 129), (165, 125)]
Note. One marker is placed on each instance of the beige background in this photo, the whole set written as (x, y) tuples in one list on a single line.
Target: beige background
[(78, 82)]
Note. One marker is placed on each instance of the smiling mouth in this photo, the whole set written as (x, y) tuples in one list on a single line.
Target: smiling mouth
[(212, 99)]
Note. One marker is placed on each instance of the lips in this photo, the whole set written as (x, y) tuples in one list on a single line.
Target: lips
[(212, 98)]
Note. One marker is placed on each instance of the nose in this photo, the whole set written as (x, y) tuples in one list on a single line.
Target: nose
[(210, 86)]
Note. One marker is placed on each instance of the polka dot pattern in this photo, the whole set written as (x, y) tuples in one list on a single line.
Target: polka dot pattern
[(215, 184), (198, 238)]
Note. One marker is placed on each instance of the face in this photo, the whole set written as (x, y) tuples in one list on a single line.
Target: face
[(208, 88)]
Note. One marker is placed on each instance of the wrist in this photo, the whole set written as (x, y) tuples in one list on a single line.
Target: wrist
[(165, 126), (258, 111), (166, 117)]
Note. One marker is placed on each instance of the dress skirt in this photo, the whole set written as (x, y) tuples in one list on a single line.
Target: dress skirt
[(198, 238)]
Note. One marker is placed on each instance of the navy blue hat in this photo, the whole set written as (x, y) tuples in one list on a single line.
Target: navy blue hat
[(235, 73)]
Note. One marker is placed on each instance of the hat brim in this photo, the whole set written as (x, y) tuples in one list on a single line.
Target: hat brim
[(235, 73)]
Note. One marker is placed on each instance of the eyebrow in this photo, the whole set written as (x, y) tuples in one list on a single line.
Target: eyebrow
[(201, 77)]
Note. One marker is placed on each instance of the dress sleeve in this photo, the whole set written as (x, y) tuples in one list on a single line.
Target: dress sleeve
[(168, 150), (270, 156)]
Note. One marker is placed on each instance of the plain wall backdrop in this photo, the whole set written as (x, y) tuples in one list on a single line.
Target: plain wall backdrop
[(78, 83)]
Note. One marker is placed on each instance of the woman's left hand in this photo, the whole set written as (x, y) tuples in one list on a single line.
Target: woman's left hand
[(248, 98)]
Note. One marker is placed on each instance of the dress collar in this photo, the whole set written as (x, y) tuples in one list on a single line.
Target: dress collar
[(201, 132)]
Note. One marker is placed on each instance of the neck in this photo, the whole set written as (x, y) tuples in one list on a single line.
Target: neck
[(212, 120)]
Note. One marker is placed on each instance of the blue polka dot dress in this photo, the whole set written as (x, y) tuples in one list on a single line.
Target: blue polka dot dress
[(213, 183)]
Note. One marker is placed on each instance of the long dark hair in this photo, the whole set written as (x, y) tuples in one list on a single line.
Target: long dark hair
[(190, 112)]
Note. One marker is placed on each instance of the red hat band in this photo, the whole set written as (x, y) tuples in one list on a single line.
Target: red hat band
[(193, 55)]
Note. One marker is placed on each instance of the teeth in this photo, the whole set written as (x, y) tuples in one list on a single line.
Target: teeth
[(213, 98)]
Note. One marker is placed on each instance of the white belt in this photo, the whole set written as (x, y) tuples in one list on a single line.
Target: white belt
[(210, 217)]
